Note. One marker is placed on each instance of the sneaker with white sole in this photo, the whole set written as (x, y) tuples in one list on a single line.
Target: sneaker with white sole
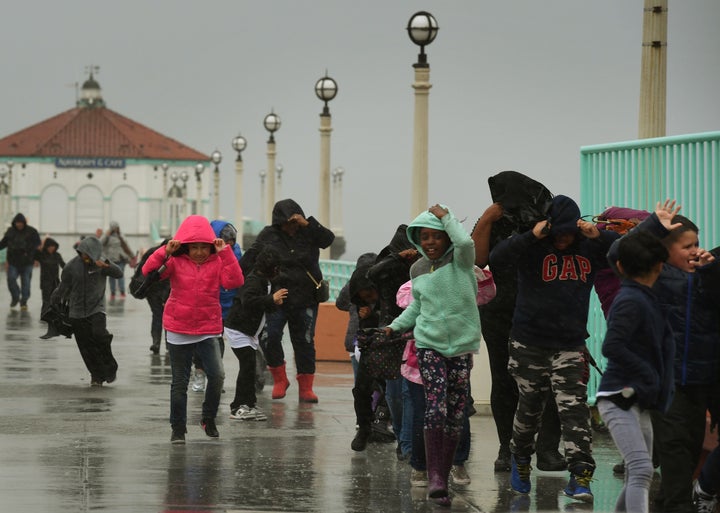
[(579, 484), (459, 475), (198, 381), (244, 412), (418, 478)]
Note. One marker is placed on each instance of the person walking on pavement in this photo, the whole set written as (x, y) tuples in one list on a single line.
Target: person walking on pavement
[(82, 287), (556, 262), (197, 265), (243, 323), (21, 241), (298, 240), (51, 261), (519, 202), (119, 253), (444, 287)]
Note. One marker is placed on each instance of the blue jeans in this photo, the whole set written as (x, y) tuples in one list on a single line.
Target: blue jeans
[(25, 274), (402, 426), (116, 283), (181, 356), (632, 432), (301, 324)]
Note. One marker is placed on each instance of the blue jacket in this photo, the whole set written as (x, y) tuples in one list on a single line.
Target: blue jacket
[(226, 295), (640, 347), (691, 304), (444, 310)]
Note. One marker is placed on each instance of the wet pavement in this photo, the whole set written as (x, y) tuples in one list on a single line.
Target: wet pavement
[(68, 447)]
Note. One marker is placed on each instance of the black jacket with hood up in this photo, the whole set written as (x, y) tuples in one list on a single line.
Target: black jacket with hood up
[(298, 254), (21, 244)]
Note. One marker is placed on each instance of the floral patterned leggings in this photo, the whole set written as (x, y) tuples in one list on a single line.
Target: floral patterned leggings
[(446, 382)]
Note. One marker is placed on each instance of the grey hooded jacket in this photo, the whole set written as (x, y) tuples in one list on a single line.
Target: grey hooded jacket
[(82, 284)]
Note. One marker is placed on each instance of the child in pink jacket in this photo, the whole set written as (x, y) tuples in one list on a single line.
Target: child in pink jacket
[(200, 265)]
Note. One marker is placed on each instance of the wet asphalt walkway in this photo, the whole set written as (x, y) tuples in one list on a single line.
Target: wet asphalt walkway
[(68, 447)]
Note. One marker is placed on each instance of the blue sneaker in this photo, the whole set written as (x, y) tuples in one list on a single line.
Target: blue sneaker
[(579, 485), (520, 473)]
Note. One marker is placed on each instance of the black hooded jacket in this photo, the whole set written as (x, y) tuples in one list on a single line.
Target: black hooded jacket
[(21, 244), (390, 271), (299, 254), (50, 265)]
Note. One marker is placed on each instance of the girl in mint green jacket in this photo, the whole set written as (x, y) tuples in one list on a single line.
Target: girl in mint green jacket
[(446, 326)]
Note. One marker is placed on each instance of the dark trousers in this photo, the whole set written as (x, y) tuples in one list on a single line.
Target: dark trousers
[(301, 325), (504, 393), (208, 351), (245, 382), (363, 395), (680, 434), (157, 306), (93, 341)]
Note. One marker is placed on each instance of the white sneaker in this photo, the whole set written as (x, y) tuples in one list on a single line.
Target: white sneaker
[(247, 413), (198, 381)]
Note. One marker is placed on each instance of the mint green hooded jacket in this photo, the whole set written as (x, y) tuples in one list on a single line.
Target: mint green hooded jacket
[(444, 311)]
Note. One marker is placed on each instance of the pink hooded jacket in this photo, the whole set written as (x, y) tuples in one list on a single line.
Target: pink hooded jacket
[(193, 307)]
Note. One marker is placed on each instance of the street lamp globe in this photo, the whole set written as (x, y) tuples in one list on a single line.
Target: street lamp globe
[(326, 89), (216, 157), (272, 123), (199, 168), (239, 143), (422, 29), (164, 167), (184, 176)]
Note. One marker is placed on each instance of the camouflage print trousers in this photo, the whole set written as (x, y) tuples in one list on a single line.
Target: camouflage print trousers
[(537, 370)]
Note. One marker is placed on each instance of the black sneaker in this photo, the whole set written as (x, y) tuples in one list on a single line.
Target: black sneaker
[(14, 303), (178, 435), (210, 429)]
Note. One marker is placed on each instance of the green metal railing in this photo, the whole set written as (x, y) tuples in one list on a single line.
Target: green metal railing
[(337, 272), (638, 174)]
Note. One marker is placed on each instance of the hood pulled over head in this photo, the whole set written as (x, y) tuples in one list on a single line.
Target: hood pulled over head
[(195, 228), (91, 246), (426, 219), (564, 215), (283, 209)]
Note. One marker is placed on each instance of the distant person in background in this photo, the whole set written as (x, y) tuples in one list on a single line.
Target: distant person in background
[(50, 264), (118, 252), (21, 241)]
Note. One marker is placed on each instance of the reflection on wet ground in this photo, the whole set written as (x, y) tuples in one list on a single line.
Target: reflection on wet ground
[(67, 446)]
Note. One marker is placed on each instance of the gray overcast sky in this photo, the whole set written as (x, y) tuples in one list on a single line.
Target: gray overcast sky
[(516, 85)]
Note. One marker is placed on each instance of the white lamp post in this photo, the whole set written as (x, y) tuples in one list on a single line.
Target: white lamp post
[(263, 204), (216, 158), (199, 168), (422, 29), (325, 89), (272, 124), (239, 143)]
